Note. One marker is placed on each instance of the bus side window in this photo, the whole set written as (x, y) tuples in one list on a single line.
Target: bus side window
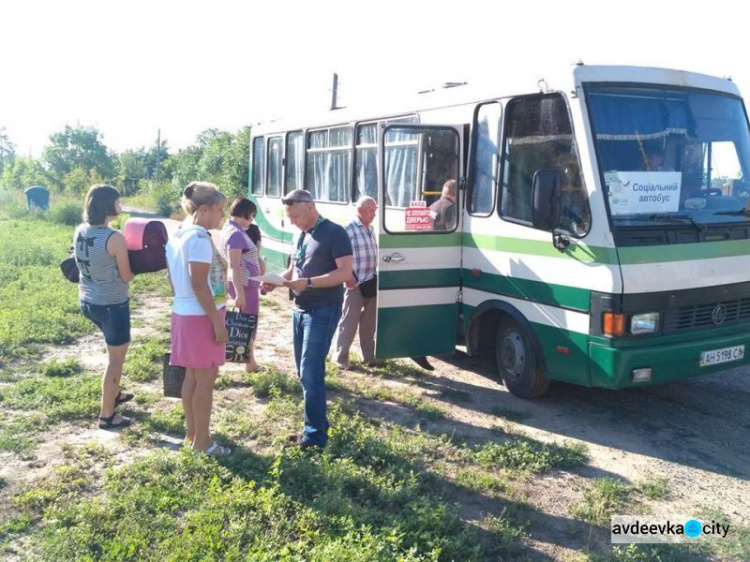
[(539, 136), (484, 159), (259, 165)]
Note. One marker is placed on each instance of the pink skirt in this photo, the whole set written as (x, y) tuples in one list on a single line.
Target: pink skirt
[(193, 345)]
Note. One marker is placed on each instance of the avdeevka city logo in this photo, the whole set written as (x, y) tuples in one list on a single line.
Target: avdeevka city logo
[(693, 528), (627, 529)]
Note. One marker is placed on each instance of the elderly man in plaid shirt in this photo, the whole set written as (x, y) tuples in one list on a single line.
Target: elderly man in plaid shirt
[(359, 310)]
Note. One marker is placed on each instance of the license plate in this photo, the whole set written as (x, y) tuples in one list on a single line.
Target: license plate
[(725, 355)]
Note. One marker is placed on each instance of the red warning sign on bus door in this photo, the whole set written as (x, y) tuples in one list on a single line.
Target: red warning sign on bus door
[(417, 216)]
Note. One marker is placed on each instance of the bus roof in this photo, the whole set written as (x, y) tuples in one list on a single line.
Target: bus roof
[(499, 86)]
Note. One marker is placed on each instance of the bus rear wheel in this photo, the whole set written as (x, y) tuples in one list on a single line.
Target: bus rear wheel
[(517, 361)]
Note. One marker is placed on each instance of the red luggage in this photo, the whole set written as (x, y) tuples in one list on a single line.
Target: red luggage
[(146, 240)]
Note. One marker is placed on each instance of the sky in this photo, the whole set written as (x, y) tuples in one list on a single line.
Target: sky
[(133, 68)]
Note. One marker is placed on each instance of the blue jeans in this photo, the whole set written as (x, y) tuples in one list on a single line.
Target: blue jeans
[(313, 331)]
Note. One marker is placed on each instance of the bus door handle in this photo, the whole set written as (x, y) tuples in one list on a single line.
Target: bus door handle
[(394, 257)]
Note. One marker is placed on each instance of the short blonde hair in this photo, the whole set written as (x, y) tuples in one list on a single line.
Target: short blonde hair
[(198, 194)]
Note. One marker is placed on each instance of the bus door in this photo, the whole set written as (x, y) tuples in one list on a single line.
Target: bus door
[(419, 262)]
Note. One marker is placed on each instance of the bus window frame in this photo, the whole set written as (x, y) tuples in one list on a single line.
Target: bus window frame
[(302, 132), (380, 124), (470, 174), (269, 138), (506, 124), (328, 128), (357, 125), (456, 130), (262, 191)]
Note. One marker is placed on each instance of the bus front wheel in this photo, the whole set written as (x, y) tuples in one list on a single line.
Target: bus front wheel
[(517, 362)]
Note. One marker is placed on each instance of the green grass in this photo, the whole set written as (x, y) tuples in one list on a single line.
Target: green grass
[(656, 489), (526, 454), (603, 499), (144, 360), (265, 382), (64, 368), (429, 488), (72, 398), (38, 305), (19, 433)]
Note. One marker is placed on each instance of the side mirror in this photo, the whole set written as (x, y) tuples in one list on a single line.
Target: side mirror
[(545, 194)]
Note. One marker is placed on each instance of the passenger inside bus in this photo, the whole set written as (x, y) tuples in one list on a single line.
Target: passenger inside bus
[(655, 160), (575, 216), (443, 211)]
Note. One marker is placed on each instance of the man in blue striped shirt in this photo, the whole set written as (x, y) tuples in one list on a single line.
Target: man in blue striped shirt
[(360, 309)]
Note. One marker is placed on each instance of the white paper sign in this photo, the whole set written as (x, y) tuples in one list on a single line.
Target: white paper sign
[(271, 278), (643, 192)]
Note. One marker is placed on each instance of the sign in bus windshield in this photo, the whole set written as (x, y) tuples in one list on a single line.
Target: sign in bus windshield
[(643, 192)]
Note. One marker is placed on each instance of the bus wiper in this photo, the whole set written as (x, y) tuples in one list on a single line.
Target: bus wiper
[(745, 212), (682, 219)]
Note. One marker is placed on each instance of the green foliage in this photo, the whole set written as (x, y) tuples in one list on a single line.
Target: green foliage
[(265, 382), (23, 172), (656, 489), (7, 150), (660, 553), (144, 361), (70, 398), (18, 433), (526, 454), (66, 212), (219, 157), (601, 501), (64, 368), (36, 304), (73, 154)]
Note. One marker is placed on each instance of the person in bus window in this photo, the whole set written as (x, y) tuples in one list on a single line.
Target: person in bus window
[(360, 299), (443, 211), (655, 160), (575, 216)]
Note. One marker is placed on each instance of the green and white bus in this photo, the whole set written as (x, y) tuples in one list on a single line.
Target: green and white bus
[(602, 234)]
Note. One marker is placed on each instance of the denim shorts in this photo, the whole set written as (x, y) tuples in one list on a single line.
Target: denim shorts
[(113, 320)]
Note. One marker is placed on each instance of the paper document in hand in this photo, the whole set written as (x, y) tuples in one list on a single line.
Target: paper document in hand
[(272, 278)]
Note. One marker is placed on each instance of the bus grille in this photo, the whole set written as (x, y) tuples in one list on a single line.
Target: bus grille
[(701, 315)]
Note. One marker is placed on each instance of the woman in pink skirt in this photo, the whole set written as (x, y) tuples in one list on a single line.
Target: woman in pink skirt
[(242, 255), (199, 336)]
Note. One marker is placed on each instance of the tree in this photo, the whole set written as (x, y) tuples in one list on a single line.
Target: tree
[(23, 173), (132, 166), (78, 147), (7, 150)]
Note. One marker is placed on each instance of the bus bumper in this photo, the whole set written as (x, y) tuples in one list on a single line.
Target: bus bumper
[(614, 367)]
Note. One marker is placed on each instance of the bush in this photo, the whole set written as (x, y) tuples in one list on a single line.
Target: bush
[(67, 212)]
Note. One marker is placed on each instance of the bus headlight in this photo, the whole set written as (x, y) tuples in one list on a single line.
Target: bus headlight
[(644, 323)]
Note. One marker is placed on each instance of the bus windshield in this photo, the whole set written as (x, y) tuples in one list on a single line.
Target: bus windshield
[(671, 155)]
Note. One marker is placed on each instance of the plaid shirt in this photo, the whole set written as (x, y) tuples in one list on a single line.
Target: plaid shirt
[(365, 249)]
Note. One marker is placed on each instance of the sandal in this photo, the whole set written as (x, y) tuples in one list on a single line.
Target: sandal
[(123, 397), (216, 450), (109, 422)]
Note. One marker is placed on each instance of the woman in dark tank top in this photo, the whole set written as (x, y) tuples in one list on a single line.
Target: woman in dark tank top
[(102, 258)]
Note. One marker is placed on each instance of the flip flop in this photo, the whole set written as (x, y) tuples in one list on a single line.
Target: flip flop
[(123, 397), (216, 450), (109, 422)]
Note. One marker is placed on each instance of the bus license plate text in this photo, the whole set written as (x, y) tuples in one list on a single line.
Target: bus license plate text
[(725, 355)]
